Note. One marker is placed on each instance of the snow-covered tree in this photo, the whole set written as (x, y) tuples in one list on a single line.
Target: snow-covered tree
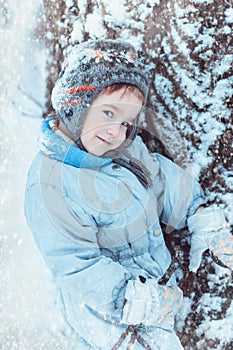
[(187, 46), (188, 49)]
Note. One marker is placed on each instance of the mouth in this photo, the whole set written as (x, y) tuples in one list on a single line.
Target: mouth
[(103, 140)]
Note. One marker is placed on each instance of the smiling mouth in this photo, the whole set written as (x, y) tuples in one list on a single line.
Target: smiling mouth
[(103, 140)]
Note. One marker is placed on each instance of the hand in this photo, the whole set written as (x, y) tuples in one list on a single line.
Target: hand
[(149, 303), (210, 231)]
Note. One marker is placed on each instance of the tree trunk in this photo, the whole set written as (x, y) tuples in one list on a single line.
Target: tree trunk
[(188, 49)]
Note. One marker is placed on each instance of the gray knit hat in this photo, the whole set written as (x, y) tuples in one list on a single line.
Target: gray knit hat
[(90, 67)]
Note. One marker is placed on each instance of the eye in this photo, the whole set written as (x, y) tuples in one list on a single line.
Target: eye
[(125, 124), (109, 114)]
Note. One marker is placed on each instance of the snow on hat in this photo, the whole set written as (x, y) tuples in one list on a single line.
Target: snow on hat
[(90, 67)]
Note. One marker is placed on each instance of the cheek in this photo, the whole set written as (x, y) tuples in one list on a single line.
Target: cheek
[(91, 130), (122, 136)]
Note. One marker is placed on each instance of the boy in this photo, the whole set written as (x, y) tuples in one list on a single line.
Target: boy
[(95, 198)]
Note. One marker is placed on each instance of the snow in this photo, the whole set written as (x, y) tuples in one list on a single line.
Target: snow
[(214, 328), (203, 1), (229, 15), (94, 25), (77, 32), (30, 316), (29, 311)]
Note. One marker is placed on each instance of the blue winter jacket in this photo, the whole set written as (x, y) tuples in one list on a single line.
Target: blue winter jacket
[(98, 228)]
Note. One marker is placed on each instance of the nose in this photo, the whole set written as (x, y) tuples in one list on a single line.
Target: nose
[(114, 130)]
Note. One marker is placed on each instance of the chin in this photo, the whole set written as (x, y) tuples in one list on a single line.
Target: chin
[(97, 153)]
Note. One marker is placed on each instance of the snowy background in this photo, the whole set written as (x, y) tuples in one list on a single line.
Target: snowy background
[(29, 314)]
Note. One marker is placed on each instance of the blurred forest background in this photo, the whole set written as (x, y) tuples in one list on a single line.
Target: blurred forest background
[(187, 47)]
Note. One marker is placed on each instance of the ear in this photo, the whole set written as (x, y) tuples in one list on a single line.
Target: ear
[(63, 128)]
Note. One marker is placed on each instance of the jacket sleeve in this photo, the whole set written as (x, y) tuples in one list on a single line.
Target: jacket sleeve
[(69, 247), (182, 194)]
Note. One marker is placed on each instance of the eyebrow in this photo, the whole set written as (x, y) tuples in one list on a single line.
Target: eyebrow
[(111, 106)]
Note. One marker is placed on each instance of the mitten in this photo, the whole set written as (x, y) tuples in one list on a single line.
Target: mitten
[(210, 230), (150, 303)]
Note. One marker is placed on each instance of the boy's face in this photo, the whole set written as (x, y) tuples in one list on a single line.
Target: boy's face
[(107, 120)]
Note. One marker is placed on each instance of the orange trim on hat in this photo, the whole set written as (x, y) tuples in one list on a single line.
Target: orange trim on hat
[(81, 88)]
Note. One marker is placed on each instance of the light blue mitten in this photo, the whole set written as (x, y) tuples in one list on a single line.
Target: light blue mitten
[(150, 303), (210, 230)]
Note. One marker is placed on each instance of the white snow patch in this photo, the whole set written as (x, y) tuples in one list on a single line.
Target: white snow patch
[(203, 1), (181, 44), (222, 328), (94, 25), (229, 15), (77, 32)]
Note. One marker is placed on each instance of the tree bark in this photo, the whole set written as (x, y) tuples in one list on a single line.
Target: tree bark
[(188, 49)]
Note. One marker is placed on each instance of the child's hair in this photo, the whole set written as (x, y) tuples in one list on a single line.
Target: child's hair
[(127, 88)]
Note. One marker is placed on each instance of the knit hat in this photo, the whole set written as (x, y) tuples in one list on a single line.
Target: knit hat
[(91, 66)]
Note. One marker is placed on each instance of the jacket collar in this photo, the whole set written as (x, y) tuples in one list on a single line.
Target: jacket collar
[(58, 146)]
